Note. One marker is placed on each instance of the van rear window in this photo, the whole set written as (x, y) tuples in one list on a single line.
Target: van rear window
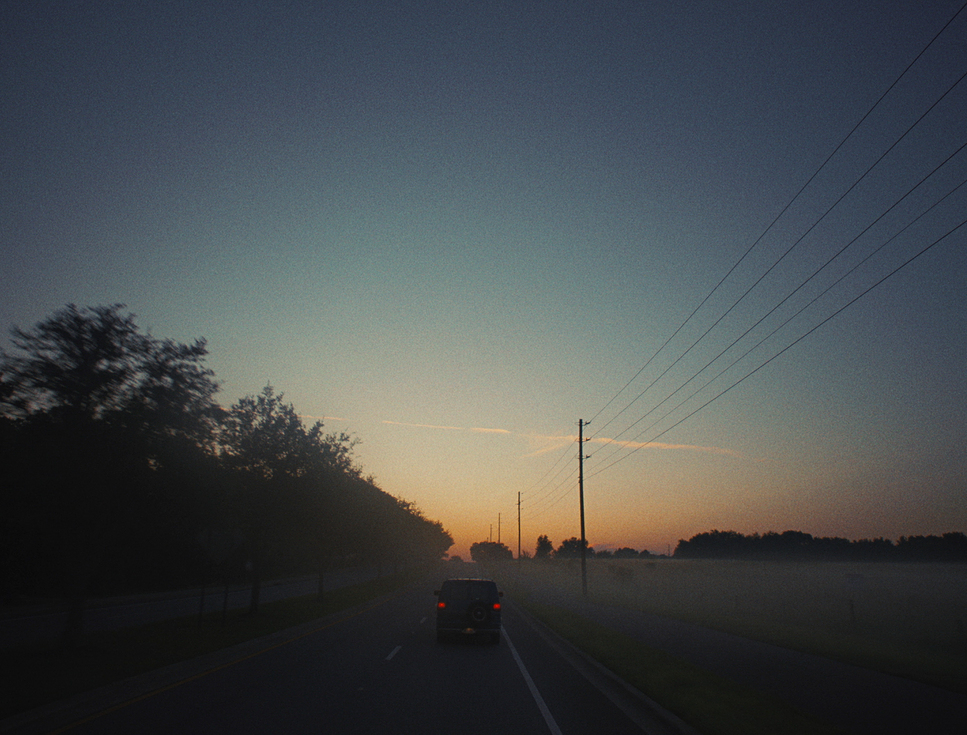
[(468, 590)]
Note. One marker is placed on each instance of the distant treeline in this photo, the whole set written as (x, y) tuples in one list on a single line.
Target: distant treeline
[(949, 547), (571, 549), (120, 472)]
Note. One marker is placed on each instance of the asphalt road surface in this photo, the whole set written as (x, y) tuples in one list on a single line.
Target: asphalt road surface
[(378, 670)]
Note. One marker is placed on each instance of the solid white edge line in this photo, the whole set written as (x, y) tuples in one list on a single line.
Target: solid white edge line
[(393, 652), (548, 717)]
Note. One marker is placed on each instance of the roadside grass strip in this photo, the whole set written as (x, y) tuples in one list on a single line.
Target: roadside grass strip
[(947, 670), (711, 704), (37, 676), (906, 620)]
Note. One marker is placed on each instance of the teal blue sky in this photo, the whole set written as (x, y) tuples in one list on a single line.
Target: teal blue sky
[(453, 229)]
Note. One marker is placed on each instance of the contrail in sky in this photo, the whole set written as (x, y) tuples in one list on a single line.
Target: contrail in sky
[(475, 429), (425, 426), (551, 443)]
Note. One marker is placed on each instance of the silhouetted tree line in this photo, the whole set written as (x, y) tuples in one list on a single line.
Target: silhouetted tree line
[(571, 549), (119, 471), (625, 552), (796, 545)]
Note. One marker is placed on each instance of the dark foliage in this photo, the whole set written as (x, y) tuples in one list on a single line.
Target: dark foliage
[(571, 549), (490, 551), (544, 548), (796, 545), (120, 472), (628, 553)]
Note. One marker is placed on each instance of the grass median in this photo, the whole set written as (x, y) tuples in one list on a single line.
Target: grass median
[(39, 675)]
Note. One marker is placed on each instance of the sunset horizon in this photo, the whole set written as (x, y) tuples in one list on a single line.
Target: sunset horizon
[(729, 240)]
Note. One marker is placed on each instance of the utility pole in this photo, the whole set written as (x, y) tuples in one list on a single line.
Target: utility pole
[(518, 529), (498, 528), (584, 543)]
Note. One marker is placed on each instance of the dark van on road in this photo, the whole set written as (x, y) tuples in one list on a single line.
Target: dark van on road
[(468, 607)]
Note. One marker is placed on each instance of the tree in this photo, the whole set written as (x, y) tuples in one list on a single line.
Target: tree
[(270, 454), (626, 552), (300, 500), (385, 529), (571, 549), (93, 364), (544, 548), (484, 551), (425, 540), (98, 410), (951, 546)]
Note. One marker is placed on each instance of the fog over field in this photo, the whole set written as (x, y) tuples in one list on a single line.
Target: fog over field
[(895, 612)]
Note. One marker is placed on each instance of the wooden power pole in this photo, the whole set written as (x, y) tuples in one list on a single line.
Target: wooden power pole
[(584, 543)]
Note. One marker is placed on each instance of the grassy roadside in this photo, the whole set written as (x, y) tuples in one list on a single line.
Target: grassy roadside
[(907, 621), (37, 676), (711, 704), (930, 667)]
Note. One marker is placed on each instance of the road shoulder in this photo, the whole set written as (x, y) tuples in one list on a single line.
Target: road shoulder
[(647, 714)]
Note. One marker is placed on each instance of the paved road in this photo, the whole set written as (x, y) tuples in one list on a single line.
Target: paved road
[(377, 669), (44, 626)]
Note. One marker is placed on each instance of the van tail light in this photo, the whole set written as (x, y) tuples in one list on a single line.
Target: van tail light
[(440, 605), (497, 606)]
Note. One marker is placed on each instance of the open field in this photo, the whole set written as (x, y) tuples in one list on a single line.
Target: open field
[(711, 704), (905, 619)]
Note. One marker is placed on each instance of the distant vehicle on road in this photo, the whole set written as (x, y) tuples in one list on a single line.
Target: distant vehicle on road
[(468, 607)]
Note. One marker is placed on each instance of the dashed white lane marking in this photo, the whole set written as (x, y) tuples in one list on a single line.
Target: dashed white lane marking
[(393, 652), (548, 717)]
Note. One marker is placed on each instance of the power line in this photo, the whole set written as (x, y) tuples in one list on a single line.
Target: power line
[(543, 491), (558, 493), (771, 225), (811, 277), (786, 348), (795, 244)]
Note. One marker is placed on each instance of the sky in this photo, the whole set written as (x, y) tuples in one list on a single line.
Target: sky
[(455, 229)]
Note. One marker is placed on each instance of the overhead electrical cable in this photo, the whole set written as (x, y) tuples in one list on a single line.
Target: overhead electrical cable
[(544, 491), (792, 247), (550, 498), (810, 278), (769, 227), (560, 459), (783, 350), (768, 336), (562, 496), (547, 487), (562, 491)]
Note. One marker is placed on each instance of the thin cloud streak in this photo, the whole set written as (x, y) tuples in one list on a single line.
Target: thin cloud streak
[(553, 443), (424, 426), (546, 443), (662, 445), (473, 429)]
